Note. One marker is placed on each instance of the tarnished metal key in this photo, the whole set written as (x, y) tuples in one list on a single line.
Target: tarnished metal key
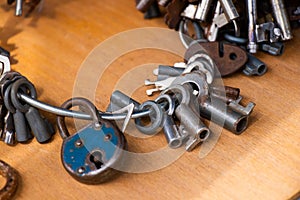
[(252, 17), (203, 9), (229, 9), (19, 7), (9, 129), (281, 17)]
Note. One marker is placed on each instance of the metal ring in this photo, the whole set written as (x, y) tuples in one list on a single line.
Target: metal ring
[(14, 94), (11, 185), (7, 79), (77, 101), (156, 118), (7, 100), (170, 103)]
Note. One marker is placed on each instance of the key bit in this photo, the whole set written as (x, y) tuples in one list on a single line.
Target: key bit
[(241, 109), (159, 85), (229, 59)]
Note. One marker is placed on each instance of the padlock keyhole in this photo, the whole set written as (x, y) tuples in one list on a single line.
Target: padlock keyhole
[(96, 159)]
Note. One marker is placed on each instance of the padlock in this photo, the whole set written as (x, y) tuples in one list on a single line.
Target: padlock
[(92, 155)]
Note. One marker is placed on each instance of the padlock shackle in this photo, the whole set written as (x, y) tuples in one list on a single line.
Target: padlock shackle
[(88, 106)]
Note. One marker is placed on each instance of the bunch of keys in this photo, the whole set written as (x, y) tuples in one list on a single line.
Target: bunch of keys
[(17, 118), (262, 32)]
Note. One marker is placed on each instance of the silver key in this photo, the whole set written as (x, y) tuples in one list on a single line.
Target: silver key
[(203, 9), (159, 85), (281, 17), (252, 17), (214, 28), (229, 9), (19, 7), (190, 11)]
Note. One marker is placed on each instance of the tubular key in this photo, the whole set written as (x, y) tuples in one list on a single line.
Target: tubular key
[(231, 59)]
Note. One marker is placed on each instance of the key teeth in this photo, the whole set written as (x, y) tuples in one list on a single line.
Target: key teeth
[(148, 82)]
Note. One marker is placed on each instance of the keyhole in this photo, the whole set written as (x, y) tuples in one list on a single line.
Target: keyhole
[(96, 158)]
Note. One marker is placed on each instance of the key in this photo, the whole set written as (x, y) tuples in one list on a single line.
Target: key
[(19, 7), (282, 20), (229, 9), (267, 31), (190, 11), (22, 132), (9, 129), (172, 134), (33, 116), (167, 71), (203, 9), (121, 100), (188, 115), (254, 66), (275, 49), (252, 17), (214, 27), (159, 85)]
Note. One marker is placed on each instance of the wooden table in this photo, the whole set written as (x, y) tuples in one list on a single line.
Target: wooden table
[(49, 47)]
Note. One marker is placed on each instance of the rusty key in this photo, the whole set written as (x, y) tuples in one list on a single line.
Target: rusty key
[(229, 59)]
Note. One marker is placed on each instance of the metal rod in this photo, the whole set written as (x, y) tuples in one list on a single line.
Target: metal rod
[(75, 114)]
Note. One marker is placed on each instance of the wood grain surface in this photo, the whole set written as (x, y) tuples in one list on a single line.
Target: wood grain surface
[(49, 48)]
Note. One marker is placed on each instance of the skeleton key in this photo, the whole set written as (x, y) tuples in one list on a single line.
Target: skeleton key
[(252, 18), (203, 9), (229, 9), (214, 27), (159, 85), (37, 124)]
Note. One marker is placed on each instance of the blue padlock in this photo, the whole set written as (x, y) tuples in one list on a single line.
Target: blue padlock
[(92, 154)]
